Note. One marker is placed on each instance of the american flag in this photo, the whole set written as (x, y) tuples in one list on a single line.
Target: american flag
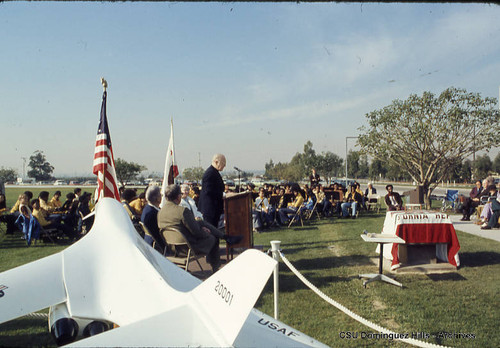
[(104, 162)]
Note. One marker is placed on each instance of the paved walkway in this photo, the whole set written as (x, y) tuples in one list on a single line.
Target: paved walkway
[(472, 228)]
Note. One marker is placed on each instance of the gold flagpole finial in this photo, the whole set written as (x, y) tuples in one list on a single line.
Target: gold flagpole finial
[(104, 83)]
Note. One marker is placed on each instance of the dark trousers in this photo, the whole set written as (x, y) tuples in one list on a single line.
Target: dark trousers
[(495, 214), (468, 207), (10, 220)]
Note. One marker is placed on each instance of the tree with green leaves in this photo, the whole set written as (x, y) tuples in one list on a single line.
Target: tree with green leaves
[(127, 171), (353, 164), (496, 164), (328, 164), (482, 166), (378, 169), (193, 173), (426, 135), (8, 175), (41, 169), (465, 172)]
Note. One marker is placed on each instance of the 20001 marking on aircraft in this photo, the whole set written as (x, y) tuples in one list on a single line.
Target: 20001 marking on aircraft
[(112, 289)]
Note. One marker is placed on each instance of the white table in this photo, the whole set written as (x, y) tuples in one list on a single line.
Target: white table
[(422, 227), (381, 239)]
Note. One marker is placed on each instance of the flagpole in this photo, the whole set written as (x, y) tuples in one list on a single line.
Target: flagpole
[(104, 87), (173, 142), (168, 165)]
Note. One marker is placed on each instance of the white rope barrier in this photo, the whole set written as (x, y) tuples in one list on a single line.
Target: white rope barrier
[(353, 315), (38, 315)]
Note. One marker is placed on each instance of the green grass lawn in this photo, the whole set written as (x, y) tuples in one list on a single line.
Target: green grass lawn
[(331, 254)]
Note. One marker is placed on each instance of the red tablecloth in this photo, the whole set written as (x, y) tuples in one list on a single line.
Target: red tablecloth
[(428, 228)]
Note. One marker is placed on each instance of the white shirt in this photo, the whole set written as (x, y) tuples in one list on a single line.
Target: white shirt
[(189, 203), (259, 205)]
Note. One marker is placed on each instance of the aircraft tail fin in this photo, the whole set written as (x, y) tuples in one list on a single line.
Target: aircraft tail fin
[(226, 298)]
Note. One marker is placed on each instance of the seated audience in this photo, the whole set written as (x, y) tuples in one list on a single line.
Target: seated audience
[(128, 196), (138, 204), (264, 212), (484, 199), (189, 203), (69, 210), (393, 199), (337, 198), (358, 190), (291, 207), (83, 210), (77, 191), (323, 205), (352, 199), (28, 224), (195, 194), (370, 192), (202, 236), (472, 201), (494, 202), (68, 203), (46, 208), (39, 214), (149, 217), (55, 202), (3, 204), (10, 219)]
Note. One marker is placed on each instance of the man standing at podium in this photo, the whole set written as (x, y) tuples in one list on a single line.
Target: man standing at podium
[(211, 202)]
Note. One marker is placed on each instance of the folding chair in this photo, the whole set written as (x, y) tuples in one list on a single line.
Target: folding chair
[(3, 226), (182, 253), (371, 203), (309, 213), (450, 201), (155, 243), (297, 217)]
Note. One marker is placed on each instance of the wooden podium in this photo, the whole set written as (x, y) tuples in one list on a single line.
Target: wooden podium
[(238, 216)]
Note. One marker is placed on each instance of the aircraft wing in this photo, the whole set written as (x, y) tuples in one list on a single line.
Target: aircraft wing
[(31, 287)]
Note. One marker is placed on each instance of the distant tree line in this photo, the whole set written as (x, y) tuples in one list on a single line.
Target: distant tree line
[(359, 166)]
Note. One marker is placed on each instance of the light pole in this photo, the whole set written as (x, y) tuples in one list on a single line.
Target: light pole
[(346, 157), (24, 166)]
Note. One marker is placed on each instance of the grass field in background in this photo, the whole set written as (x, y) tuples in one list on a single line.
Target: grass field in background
[(331, 254)]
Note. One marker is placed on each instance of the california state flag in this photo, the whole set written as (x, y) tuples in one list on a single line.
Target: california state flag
[(171, 171)]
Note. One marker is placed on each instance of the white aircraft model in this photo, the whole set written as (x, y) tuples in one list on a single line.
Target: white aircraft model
[(113, 289)]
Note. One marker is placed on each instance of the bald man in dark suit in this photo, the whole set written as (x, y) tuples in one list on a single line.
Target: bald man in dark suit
[(211, 203)]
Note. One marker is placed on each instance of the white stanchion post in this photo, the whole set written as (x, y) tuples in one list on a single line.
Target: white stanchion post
[(275, 248)]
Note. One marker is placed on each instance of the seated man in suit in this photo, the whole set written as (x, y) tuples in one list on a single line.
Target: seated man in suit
[(203, 237), (393, 199), (149, 217)]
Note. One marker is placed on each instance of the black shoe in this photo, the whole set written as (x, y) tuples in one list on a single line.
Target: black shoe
[(486, 228), (354, 216), (215, 267), (231, 240)]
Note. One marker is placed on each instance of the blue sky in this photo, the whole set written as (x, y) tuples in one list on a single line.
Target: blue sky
[(254, 81)]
